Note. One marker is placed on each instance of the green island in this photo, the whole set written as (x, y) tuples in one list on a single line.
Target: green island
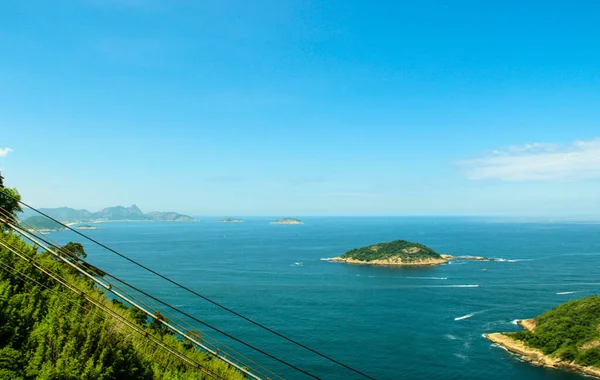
[(41, 224), (566, 337), (397, 252), (230, 220), (287, 221)]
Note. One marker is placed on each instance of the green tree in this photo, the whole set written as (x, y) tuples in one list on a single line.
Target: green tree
[(74, 250), (9, 203)]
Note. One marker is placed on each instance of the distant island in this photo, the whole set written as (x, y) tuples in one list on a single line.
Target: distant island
[(86, 227), (41, 224), (397, 252), (109, 214), (566, 337), (287, 221), (230, 220)]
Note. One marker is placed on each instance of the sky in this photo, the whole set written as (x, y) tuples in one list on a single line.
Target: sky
[(295, 108)]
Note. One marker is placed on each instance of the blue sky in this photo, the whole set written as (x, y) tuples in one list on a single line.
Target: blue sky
[(303, 107)]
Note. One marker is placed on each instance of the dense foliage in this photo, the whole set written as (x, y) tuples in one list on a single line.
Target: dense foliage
[(569, 331), (9, 202), (406, 250), (47, 332)]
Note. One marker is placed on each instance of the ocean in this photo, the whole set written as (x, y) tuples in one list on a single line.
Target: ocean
[(390, 322)]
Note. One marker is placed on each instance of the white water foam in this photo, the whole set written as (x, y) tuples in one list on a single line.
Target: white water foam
[(561, 293), (518, 260), (428, 278), (464, 317), (515, 322), (451, 337), (460, 286)]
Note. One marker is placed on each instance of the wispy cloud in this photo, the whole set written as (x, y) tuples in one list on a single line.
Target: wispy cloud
[(5, 151), (538, 162), (360, 195)]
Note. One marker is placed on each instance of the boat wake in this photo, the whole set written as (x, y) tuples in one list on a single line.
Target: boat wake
[(464, 317), (518, 260), (428, 278), (561, 293), (460, 286)]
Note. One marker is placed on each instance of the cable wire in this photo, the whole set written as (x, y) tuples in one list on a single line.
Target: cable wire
[(180, 322), (199, 295), (108, 287)]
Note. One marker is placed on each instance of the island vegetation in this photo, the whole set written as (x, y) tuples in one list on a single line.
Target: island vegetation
[(397, 252), (287, 221), (230, 220), (567, 337)]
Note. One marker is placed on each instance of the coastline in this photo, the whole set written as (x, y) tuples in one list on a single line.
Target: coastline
[(535, 356), (390, 261)]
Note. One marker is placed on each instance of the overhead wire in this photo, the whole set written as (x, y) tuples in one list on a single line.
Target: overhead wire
[(186, 288), (171, 316), (24, 277), (109, 288)]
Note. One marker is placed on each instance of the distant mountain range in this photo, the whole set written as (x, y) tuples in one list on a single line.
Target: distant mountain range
[(117, 213)]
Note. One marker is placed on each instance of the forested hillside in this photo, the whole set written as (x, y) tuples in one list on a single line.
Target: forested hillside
[(570, 331), (48, 332)]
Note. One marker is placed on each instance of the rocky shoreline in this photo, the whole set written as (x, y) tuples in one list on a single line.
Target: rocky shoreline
[(470, 258), (535, 356), (390, 261)]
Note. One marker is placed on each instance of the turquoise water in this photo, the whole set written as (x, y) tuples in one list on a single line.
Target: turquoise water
[(393, 323)]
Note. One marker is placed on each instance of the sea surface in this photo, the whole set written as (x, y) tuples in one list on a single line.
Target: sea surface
[(390, 322)]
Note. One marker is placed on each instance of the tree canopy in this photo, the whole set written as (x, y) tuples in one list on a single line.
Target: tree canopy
[(9, 202), (406, 250)]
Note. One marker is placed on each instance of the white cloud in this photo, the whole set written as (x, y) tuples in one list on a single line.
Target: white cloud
[(5, 151), (539, 162)]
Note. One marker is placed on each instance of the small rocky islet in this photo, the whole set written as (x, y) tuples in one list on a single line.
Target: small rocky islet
[(230, 220), (400, 252), (287, 221)]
